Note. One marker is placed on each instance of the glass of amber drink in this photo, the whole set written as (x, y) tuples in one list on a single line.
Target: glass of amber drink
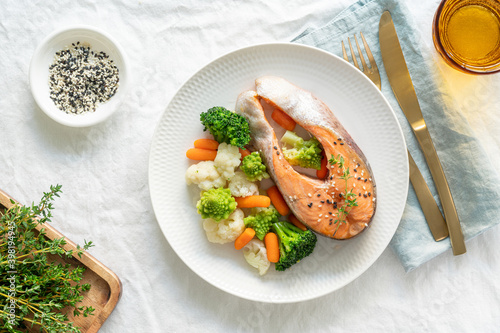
[(467, 35)]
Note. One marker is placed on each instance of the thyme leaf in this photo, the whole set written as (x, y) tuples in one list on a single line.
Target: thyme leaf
[(350, 199), (34, 287)]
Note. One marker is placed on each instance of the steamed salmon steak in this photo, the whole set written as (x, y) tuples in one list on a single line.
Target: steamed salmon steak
[(315, 202)]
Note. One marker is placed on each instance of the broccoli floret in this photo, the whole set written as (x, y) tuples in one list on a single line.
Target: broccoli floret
[(305, 153), (295, 244), (261, 220), (226, 126), (253, 167), (216, 203)]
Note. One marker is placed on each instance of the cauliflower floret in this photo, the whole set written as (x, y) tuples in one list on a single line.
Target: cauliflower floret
[(240, 186), (227, 159), (255, 254), (226, 230), (205, 175)]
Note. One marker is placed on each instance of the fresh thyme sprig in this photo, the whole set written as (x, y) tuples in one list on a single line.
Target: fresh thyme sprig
[(350, 199), (34, 287)]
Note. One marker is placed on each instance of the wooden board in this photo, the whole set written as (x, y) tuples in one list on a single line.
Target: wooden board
[(106, 287)]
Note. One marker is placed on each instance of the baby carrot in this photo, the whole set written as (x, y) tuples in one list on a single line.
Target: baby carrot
[(283, 119), (244, 238), (201, 154), (277, 200), (321, 174), (244, 152), (206, 144), (295, 221), (253, 201), (272, 247)]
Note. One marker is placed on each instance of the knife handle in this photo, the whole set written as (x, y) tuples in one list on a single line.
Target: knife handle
[(432, 214), (450, 212)]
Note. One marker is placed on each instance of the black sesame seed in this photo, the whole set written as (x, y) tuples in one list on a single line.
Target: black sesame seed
[(369, 194), (365, 196), (341, 143), (355, 170), (359, 178), (276, 148), (310, 205), (366, 179), (334, 142), (318, 195), (322, 201)]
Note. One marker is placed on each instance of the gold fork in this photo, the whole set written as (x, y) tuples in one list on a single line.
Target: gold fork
[(432, 214), (371, 72)]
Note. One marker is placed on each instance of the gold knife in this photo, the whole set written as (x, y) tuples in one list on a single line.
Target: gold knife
[(402, 86), (431, 211)]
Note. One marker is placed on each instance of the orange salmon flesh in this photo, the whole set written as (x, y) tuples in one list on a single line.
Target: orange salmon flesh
[(317, 203)]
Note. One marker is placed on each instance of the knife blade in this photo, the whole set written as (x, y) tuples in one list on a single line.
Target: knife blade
[(431, 211), (402, 86)]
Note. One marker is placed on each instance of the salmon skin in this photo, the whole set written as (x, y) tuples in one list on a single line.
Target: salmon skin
[(315, 202)]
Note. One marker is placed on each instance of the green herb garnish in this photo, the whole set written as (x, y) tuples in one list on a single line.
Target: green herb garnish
[(350, 199), (33, 287)]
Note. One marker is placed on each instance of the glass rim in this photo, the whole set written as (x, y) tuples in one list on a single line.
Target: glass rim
[(469, 69)]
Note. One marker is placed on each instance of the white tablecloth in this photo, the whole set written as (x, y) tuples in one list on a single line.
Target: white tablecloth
[(103, 170)]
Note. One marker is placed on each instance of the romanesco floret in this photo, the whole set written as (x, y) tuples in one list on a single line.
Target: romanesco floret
[(255, 254), (253, 167), (261, 220), (305, 153), (227, 230), (240, 186), (205, 175), (227, 160), (226, 126), (216, 203)]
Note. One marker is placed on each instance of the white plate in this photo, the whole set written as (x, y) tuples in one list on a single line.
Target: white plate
[(360, 107)]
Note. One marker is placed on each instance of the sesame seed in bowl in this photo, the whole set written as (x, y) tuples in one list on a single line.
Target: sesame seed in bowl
[(78, 76)]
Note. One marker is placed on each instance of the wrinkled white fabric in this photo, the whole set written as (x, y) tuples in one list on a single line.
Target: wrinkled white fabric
[(103, 170)]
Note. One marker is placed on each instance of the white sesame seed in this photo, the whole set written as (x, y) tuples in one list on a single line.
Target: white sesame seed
[(81, 79)]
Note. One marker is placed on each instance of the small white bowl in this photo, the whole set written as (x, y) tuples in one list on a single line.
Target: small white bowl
[(44, 57)]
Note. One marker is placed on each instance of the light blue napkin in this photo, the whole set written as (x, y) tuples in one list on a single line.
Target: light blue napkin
[(471, 177)]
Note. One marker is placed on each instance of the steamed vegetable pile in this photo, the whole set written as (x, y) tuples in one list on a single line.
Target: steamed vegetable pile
[(234, 206)]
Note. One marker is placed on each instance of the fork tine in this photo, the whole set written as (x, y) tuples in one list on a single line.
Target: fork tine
[(353, 54), (373, 63), (346, 58), (369, 53), (361, 57)]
